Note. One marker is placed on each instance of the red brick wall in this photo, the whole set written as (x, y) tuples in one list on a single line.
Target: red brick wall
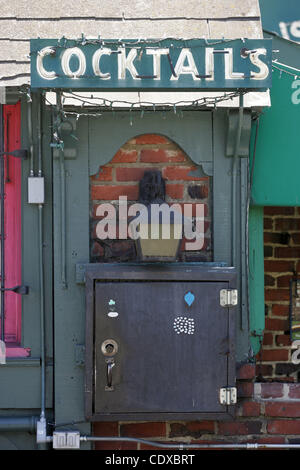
[(121, 177), (282, 254), (267, 413)]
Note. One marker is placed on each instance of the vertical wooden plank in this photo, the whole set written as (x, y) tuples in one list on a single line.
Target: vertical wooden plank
[(221, 191), (223, 223), (30, 252), (69, 302), (30, 256), (47, 251)]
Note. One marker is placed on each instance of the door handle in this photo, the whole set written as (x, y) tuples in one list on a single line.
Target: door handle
[(110, 363), (109, 347)]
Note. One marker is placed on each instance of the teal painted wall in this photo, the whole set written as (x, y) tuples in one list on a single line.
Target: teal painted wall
[(281, 17), (277, 165), (65, 303)]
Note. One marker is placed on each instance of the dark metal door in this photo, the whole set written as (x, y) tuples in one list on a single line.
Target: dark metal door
[(171, 349)]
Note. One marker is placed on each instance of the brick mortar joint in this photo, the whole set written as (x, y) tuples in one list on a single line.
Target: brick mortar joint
[(275, 287), (276, 275), (281, 245), (138, 164), (285, 396), (138, 147), (281, 216)]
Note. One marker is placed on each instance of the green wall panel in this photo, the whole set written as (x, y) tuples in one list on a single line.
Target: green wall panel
[(69, 297), (281, 17), (277, 163), (21, 387)]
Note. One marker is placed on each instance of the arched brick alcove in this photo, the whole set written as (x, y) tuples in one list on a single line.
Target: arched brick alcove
[(121, 176)]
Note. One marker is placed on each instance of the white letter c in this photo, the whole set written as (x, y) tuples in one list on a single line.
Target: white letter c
[(39, 63)]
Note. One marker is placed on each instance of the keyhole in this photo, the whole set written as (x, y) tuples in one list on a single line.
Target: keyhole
[(109, 347)]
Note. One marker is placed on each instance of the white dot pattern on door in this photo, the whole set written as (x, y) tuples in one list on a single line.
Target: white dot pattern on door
[(184, 325)]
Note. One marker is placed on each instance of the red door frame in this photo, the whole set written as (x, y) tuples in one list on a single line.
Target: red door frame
[(12, 235)]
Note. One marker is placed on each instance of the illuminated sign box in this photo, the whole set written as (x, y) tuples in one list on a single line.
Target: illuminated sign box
[(151, 65)]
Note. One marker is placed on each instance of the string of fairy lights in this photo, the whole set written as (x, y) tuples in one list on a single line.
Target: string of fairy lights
[(99, 104), (173, 43), (95, 106), (136, 110), (142, 107)]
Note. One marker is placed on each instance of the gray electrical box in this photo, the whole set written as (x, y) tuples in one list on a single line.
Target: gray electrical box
[(36, 190), (160, 342)]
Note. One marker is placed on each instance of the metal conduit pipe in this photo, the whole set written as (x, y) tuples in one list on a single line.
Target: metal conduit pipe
[(246, 445), (30, 141), (41, 268), (42, 321), (234, 179), (162, 445), (41, 424), (235, 162), (18, 423), (63, 195)]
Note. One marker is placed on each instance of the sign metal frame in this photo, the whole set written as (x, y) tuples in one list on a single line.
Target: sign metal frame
[(156, 65)]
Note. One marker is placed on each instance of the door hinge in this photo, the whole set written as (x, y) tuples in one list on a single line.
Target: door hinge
[(228, 297), (228, 395)]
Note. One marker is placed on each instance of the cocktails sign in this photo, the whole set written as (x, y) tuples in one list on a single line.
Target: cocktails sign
[(151, 65)]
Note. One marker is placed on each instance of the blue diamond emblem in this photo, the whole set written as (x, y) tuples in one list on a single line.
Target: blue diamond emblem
[(189, 298)]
